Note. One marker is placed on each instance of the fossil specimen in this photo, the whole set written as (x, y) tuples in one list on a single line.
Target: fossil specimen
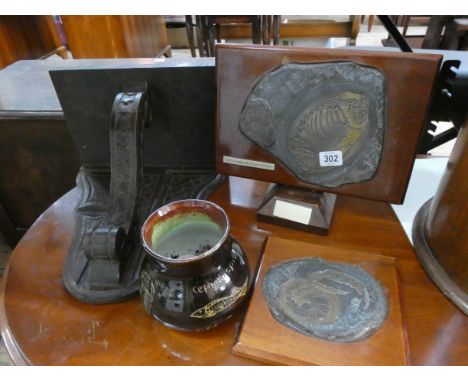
[(298, 112), (332, 301)]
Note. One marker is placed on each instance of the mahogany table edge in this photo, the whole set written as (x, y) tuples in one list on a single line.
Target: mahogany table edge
[(14, 351)]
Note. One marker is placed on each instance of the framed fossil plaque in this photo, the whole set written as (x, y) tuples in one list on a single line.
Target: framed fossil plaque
[(319, 305), (341, 121)]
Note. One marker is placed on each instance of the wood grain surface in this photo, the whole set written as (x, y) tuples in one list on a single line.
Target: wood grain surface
[(25, 37), (115, 36), (43, 325)]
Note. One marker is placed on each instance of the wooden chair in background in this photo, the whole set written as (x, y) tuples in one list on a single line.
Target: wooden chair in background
[(446, 32), (456, 34), (267, 29), (186, 22), (322, 28), (209, 28)]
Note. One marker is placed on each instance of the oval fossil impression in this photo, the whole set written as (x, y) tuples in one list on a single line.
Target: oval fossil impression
[(332, 301), (325, 122)]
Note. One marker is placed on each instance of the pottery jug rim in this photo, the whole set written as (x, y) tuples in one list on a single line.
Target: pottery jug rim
[(186, 260)]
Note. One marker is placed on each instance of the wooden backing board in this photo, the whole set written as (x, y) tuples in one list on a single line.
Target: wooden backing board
[(410, 79), (264, 339)]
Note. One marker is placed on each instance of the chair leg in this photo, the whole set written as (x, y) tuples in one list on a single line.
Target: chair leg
[(218, 32), (189, 29), (200, 36), (370, 22), (276, 29), (451, 38), (266, 29), (434, 31), (355, 26), (209, 37), (256, 30), (406, 20)]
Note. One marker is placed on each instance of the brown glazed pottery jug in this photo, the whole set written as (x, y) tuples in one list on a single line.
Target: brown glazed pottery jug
[(195, 274)]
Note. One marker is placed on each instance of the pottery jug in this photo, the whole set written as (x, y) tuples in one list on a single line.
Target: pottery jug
[(195, 273)]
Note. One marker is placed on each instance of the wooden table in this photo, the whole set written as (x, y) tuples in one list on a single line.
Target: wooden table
[(42, 324)]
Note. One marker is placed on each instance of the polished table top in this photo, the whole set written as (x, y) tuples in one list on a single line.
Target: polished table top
[(43, 324)]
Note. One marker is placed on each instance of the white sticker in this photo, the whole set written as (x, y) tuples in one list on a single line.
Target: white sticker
[(293, 212), (331, 158), (249, 163)]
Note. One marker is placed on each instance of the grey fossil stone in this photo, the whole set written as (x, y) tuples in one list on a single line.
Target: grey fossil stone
[(297, 111), (332, 301)]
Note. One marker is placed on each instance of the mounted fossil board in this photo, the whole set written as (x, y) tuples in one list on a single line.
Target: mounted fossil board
[(341, 121)]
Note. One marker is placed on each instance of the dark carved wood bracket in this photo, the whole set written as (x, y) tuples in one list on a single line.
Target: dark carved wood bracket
[(105, 244), (106, 256), (99, 257)]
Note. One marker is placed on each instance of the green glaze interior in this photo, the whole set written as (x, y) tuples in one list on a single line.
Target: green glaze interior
[(185, 235)]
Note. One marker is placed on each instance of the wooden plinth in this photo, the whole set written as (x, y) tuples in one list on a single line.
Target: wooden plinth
[(305, 210), (265, 339)]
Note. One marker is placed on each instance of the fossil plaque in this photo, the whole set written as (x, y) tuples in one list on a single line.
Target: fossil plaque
[(332, 301), (325, 122)]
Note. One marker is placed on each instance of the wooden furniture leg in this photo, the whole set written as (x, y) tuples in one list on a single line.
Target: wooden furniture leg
[(370, 22), (434, 31), (218, 32), (208, 36), (266, 29), (276, 29), (406, 20), (355, 26), (455, 31), (200, 36), (190, 38), (257, 30)]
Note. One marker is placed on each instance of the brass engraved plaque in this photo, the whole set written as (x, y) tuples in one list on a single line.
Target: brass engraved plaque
[(332, 301), (300, 112)]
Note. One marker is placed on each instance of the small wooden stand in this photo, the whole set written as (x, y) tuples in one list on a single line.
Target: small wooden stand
[(264, 339), (291, 207)]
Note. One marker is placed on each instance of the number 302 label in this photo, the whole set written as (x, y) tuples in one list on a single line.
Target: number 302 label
[(331, 158)]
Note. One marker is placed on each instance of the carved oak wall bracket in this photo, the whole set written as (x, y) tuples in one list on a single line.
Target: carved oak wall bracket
[(99, 267), (126, 174)]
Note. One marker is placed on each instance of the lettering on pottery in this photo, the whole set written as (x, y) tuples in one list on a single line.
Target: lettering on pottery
[(219, 280)]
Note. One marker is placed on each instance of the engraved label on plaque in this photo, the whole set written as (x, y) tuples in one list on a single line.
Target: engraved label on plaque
[(332, 301), (249, 163), (331, 158), (293, 212), (298, 111)]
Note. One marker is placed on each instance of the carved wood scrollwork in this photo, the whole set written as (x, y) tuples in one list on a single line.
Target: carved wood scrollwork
[(105, 258), (99, 258), (106, 244)]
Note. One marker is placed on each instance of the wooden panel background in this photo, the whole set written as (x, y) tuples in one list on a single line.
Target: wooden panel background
[(115, 36), (27, 37)]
